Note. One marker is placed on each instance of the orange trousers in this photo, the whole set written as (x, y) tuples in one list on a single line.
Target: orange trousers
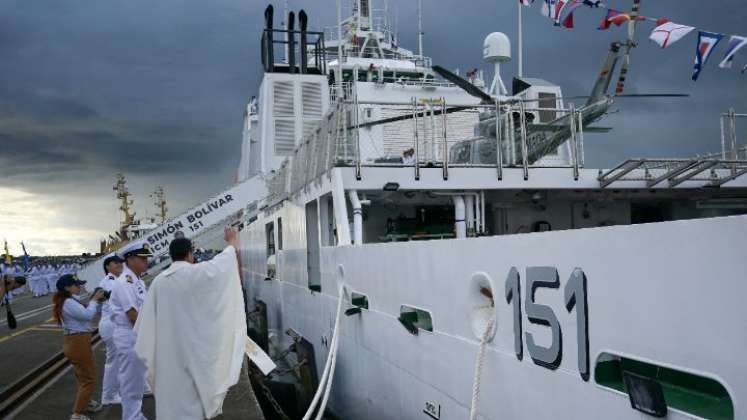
[(77, 349)]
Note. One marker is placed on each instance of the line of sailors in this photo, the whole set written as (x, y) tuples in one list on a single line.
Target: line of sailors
[(41, 279)]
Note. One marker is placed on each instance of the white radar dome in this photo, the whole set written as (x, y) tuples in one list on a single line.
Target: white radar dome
[(496, 48)]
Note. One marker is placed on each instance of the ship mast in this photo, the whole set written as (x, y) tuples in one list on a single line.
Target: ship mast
[(160, 203), (420, 28), (123, 194), (521, 40)]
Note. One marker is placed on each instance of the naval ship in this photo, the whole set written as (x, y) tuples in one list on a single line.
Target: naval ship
[(418, 244), (439, 248)]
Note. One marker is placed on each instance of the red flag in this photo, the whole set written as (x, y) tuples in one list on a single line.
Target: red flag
[(662, 21), (606, 22)]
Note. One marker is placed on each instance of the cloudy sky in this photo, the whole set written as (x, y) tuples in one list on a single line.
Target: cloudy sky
[(156, 90)]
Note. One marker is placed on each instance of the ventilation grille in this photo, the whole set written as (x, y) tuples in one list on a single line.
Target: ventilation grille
[(283, 101), (312, 100), (285, 136)]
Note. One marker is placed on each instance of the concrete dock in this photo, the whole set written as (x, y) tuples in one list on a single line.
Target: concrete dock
[(37, 339)]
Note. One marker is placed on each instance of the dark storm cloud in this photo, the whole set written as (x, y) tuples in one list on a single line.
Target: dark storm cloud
[(157, 90), (49, 136)]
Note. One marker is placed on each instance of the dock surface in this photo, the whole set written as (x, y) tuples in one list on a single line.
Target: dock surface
[(37, 339)]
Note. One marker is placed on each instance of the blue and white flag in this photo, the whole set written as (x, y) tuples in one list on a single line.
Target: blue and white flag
[(707, 42), (735, 44)]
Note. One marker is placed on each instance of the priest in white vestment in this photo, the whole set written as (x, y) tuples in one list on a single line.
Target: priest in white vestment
[(191, 332)]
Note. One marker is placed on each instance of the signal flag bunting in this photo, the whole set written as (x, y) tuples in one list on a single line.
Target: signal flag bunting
[(735, 44), (669, 33), (707, 42)]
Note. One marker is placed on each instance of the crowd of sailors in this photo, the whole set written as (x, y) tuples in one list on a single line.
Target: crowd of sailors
[(40, 277)]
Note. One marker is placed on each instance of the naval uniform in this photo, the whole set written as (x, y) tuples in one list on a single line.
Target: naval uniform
[(51, 279), (110, 390), (128, 293)]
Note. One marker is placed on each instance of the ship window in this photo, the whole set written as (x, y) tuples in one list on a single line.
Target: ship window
[(486, 152), (460, 153), (313, 268), (270, 238), (415, 319), (547, 100), (694, 394), (280, 233)]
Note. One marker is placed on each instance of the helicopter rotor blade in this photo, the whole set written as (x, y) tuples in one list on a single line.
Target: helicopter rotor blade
[(654, 95), (406, 117), (628, 95), (464, 84), (634, 13)]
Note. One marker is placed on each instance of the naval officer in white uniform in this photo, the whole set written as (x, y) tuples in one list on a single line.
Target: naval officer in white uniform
[(110, 392), (126, 300)]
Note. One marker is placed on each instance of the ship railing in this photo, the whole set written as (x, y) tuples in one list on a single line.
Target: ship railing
[(302, 51), (347, 91), (711, 172), (729, 146), (509, 145), (712, 169), (321, 149), (741, 154), (376, 53), (343, 138), (382, 76)]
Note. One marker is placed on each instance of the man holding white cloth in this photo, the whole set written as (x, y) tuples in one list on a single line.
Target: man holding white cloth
[(191, 332)]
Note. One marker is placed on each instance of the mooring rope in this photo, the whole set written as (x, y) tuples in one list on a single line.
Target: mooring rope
[(325, 384), (478, 369)]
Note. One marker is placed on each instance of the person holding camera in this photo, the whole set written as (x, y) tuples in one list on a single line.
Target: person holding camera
[(110, 390), (75, 319)]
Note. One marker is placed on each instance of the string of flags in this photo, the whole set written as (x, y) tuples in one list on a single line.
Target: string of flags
[(666, 32)]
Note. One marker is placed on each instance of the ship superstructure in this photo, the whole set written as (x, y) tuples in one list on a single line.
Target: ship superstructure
[(459, 228), (419, 243)]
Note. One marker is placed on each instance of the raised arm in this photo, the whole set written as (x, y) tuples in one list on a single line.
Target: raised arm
[(76, 310)]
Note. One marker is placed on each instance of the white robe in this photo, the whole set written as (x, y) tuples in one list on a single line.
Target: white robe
[(191, 335)]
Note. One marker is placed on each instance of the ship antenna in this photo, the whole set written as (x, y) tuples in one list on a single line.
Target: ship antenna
[(386, 17), (420, 28), (339, 51), (287, 26), (520, 46), (396, 22)]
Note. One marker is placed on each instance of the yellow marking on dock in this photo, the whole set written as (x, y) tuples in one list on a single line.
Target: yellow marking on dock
[(17, 333), (41, 328)]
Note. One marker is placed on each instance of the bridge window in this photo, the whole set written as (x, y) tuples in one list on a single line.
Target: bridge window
[(280, 233), (270, 238), (547, 100)]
